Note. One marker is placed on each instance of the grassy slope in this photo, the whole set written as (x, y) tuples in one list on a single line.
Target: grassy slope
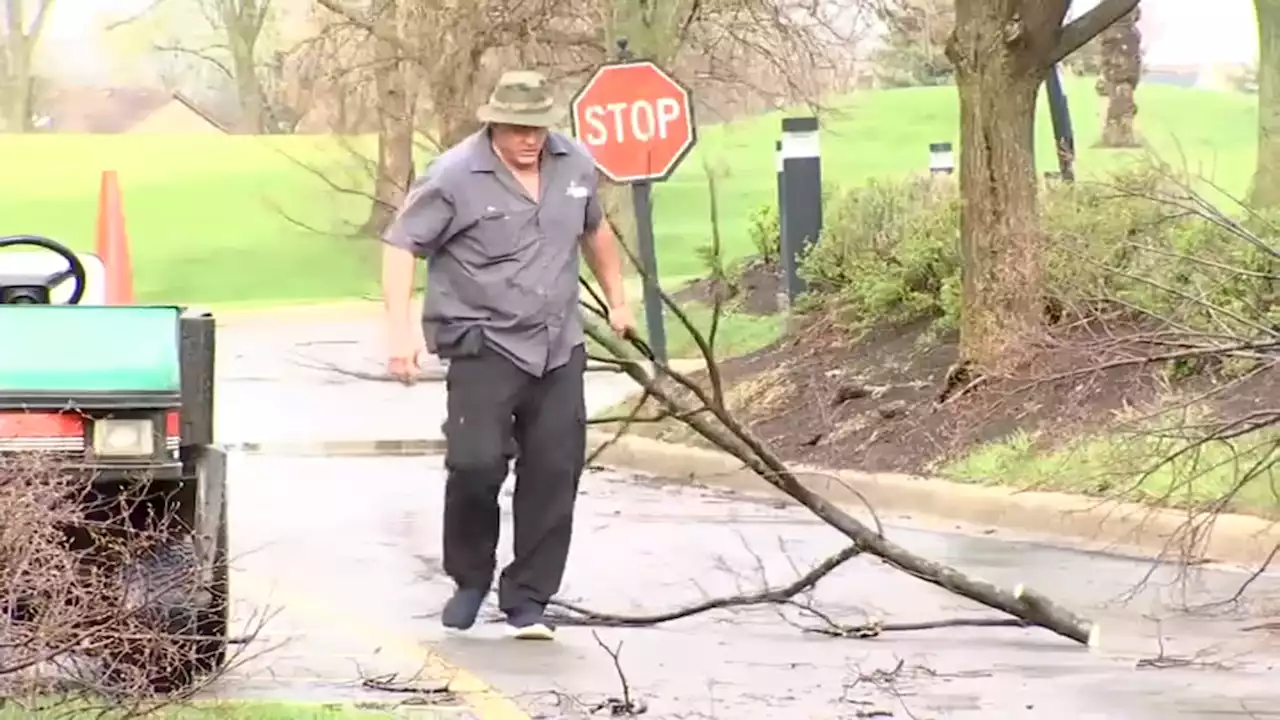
[(204, 213)]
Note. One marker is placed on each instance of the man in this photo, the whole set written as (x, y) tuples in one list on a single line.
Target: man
[(499, 219)]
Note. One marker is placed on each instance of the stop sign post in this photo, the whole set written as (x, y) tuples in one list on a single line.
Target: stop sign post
[(637, 123)]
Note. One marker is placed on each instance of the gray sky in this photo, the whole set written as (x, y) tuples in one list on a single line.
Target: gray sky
[(1175, 32), (72, 44)]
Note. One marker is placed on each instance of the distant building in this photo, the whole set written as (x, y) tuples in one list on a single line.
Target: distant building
[(123, 110)]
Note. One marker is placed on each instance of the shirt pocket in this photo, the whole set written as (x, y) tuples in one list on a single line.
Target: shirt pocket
[(567, 214), (494, 233)]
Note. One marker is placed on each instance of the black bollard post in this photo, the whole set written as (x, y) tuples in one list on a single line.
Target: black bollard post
[(942, 160), (1064, 137), (800, 216)]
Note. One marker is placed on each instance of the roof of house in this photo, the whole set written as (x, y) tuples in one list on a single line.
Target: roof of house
[(109, 110)]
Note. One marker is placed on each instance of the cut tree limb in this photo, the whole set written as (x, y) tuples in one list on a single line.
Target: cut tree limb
[(714, 422), (734, 438)]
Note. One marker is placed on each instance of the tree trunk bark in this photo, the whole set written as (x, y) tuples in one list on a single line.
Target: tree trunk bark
[(1121, 72), (456, 88), (15, 81), (1000, 240), (395, 130), (1265, 192), (248, 85), (16, 91)]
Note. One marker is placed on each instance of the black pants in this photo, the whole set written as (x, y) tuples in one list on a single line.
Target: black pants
[(492, 402)]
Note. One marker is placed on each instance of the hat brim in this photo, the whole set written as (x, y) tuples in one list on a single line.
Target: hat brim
[(493, 116)]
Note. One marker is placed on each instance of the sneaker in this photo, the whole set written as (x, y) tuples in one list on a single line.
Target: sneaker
[(530, 625), (461, 610)]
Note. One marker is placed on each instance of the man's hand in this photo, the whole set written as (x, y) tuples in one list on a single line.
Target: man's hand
[(621, 320), (403, 362)]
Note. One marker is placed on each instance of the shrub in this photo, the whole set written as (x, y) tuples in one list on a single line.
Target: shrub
[(1117, 242), (765, 234), (889, 253)]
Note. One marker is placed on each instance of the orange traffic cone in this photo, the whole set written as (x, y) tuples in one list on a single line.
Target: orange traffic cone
[(113, 242)]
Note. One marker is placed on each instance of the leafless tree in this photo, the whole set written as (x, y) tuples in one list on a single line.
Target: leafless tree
[(24, 23), (432, 65)]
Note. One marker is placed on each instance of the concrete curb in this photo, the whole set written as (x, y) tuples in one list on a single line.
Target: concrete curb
[(1237, 539), (340, 448), (321, 310)]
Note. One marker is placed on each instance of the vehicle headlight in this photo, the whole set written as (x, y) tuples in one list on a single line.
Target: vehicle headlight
[(119, 438)]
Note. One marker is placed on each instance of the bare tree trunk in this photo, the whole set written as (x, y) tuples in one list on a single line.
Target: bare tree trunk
[(1266, 178), (395, 124), (456, 91), (17, 46), (242, 22), (1000, 237), (1121, 72), (248, 85), (1002, 51)]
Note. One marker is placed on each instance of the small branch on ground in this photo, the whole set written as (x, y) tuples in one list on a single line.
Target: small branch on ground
[(1165, 661), (572, 614), (627, 705)]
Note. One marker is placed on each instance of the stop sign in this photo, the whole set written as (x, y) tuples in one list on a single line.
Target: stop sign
[(636, 121)]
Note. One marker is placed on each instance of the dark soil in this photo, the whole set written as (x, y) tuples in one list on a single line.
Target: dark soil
[(751, 289), (873, 403)]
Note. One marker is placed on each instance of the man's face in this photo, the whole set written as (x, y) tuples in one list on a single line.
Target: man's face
[(519, 146)]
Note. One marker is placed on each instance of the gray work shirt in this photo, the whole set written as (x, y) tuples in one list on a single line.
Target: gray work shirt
[(497, 259)]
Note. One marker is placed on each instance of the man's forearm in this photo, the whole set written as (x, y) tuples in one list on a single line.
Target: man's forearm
[(398, 266), (606, 265)]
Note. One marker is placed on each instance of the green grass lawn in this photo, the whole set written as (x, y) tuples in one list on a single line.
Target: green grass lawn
[(736, 334), (215, 219), (1135, 468)]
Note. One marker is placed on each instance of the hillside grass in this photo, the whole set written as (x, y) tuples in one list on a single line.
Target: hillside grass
[(1147, 469), (224, 219)]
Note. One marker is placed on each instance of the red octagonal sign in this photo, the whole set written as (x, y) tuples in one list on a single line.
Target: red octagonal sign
[(636, 121)]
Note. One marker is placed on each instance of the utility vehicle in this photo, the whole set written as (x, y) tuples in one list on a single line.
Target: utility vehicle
[(122, 397)]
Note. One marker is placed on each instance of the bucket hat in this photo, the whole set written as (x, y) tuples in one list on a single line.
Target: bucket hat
[(521, 97)]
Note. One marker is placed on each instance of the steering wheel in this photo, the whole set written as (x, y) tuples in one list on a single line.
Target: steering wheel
[(37, 289)]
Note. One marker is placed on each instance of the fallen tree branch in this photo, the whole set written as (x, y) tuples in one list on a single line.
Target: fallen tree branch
[(578, 615), (718, 426)]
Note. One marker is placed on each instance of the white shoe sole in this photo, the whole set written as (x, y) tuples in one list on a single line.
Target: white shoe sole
[(536, 631)]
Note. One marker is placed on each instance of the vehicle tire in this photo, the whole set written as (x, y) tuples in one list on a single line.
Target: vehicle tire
[(194, 616), (164, 586)]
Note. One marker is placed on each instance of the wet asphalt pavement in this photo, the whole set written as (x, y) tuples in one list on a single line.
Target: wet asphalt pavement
[(341, 557)]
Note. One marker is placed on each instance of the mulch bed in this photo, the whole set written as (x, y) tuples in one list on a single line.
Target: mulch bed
[(754, 290), (872, 402)]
